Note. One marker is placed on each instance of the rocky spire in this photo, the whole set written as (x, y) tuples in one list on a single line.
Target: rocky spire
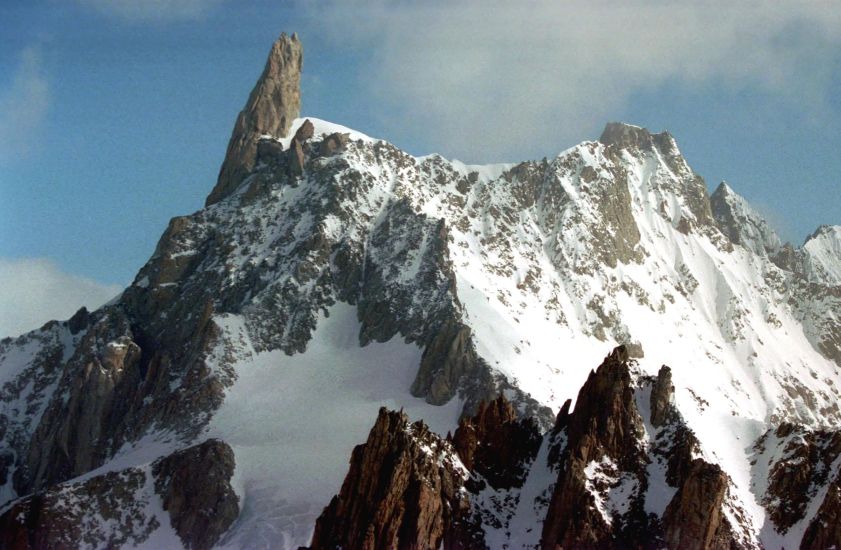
[(273, 104)]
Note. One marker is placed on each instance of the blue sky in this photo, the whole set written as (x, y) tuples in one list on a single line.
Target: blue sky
[(115, 115)]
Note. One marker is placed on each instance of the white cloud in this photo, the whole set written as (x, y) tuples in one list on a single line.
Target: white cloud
[(34, 291), (24, 103), (152, 10), (485, 79)]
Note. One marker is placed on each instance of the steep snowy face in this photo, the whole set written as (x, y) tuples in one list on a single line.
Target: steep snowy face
[(821, 252), (741, 223)]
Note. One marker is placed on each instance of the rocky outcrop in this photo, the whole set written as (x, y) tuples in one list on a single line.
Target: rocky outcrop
[(402, 491), (741, 223), (195, 487), (333, 144), (694, 519), (454, 487), (273, 104), (603, 454), (799, 464), (662, 394), (72, 437), (496, 445), (298, 148), (116, 509), (107, 511), (693, 189), (444, 361), (604, 429), (409, 488), (824, 531)]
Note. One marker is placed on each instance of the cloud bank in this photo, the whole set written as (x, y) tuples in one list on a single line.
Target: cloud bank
[(495, 78), (24, 104), (34, 291)]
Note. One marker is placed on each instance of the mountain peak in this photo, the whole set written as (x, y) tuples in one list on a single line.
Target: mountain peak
[(724, 189), (623, 134), (628, 136), (742, 224), (273, 104)]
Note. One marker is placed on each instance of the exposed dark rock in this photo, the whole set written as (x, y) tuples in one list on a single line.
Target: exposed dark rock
[(396, 495), (333, 144), (299, 149), (79, 321), (269, 150), (662, 393), (195, 486), (409, 488), (444, 361), (496, 445), (623, 135), (824, 531), (106, 511), (805, 466), (112, 510), (73, 435), (694, 519), (297, 157), (304, 132), (605, 427), (273, 104), (741, 224), (693, 189)]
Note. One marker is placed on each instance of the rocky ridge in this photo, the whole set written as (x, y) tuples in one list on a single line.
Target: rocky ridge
[(465, 281), (618, 477)]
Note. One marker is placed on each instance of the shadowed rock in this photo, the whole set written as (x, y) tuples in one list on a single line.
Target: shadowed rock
[(395, 495), (661, 397), (195, 487)]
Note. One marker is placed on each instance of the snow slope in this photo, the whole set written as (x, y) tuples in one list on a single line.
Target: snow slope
[(294, 420)]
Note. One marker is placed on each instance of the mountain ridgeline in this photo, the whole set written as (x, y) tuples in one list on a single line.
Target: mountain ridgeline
[(333, 279)]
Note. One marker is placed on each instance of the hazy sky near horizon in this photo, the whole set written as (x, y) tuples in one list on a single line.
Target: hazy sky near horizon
[(115, 114)]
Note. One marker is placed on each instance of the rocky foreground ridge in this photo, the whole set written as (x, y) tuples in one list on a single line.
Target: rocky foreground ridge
[(621, 470), (332, 273)]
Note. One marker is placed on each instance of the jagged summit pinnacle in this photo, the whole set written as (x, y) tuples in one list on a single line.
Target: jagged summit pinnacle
[(724, 189), (624, 135), (273, 104)]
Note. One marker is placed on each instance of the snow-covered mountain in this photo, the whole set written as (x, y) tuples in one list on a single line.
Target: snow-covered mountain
[(332, 273)]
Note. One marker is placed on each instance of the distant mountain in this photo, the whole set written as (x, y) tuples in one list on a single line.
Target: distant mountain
[(217, 401)]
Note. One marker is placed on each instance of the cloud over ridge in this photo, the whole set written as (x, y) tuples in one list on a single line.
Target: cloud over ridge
[(486, 76), (35, 290)]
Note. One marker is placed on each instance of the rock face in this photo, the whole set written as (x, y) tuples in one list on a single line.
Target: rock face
[(497, 446), (116, 509), (604, 434), (694, 518), (662, 395), (273, 104), (109, 510), (195, 486), (824, 531), (396, 495), (741, 223), (408, 488), (480, 488)]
